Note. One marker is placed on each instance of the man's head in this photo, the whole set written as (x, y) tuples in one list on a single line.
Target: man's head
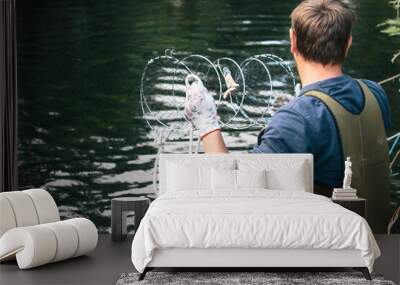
[(321, 31)]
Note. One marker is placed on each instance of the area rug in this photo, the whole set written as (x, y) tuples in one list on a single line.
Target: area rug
[(244, 278)]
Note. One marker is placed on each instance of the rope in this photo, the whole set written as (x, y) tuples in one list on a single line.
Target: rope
[(155, 172), (389, 79), (394, 136), (159, 142), (198, 145), (191, 140), (392, 148), (394, 160), (393, 220)]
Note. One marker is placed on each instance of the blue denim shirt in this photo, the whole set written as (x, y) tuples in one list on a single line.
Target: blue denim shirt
[(305, 125)]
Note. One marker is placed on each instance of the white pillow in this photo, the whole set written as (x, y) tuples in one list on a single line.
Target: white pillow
[(251, 179), (292, 178), (281, 174), (184, 175), (231, 180), (223, 179)]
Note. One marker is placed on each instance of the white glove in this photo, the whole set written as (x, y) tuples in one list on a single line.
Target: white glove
[(200, 106)]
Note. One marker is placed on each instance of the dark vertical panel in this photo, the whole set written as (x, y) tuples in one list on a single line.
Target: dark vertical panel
[(8, 97)]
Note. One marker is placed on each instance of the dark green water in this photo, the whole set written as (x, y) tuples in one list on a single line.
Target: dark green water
[(80, 62)]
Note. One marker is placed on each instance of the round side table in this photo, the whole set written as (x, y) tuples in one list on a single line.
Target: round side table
[(119, 209)]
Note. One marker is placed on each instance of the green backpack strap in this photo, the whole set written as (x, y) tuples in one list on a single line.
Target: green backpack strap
[(363, 138)]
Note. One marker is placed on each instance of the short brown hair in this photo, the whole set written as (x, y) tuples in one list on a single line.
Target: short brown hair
[(322, 29)]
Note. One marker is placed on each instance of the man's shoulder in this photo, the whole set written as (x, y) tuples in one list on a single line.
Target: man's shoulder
[(305, 106), (371, 83), (382, 99), (313, 108), (375, 87)]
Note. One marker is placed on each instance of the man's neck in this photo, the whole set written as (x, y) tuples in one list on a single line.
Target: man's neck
[(311, 72)]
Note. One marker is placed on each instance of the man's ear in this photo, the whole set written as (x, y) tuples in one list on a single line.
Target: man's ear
[(349, 43), (293, 41)]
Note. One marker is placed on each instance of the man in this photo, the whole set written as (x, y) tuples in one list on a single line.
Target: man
[(333, 117)]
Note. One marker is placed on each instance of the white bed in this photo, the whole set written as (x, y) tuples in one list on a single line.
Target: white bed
[(201, 220)]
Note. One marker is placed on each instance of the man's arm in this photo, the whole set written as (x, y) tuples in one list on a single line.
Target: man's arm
[(214, 143), (286, 133)]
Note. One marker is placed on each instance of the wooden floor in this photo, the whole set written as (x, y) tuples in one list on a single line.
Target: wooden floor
[(111, 259)]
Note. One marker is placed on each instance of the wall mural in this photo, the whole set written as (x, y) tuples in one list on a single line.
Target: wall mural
[(82, 134)]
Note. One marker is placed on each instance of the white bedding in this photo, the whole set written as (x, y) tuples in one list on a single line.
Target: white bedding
[(250, 219)]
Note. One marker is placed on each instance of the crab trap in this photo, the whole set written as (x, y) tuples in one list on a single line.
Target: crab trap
[(246, 93)]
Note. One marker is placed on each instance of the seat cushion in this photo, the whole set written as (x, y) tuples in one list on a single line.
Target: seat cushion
[(24, 211), (40, 244), (7, 220), (45, 205), (32, 246), (26, 208), (67, 240), (87, 235)]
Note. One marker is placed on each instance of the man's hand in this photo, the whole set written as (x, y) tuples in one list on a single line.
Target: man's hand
[(200, 106)]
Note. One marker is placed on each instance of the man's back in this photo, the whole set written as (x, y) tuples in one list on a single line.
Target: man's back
[(307, 126), (320, 38)]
